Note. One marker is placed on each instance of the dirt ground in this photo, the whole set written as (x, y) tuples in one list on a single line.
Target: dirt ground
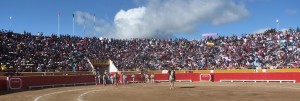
[(196, 91)]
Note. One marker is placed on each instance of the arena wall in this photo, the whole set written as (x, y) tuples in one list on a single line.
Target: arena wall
[(216, 77), (257, 76), (3, 82), (25, 82)]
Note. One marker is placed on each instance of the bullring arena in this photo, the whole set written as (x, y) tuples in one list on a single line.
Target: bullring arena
[(202, 85), (196, 91), (136, 50)]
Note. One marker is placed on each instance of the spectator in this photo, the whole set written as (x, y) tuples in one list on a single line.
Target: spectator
[(116, 79), (133, 77), (152, 78), (124, 78), (27, 52), (104, 78)]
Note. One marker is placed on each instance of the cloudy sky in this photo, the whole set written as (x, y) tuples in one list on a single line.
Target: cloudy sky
[(148, 18)]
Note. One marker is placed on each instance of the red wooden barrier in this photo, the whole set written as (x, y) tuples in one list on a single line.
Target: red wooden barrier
[(257, 76), (205, 77), (137, 77), (3, 83), (26, 81)]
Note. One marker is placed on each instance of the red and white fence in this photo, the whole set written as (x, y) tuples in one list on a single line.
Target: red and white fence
[(25, 82)]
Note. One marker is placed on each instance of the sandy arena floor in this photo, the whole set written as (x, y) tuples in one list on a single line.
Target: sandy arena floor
[(196, 91)]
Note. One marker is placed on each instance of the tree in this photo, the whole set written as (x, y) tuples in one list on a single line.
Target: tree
[(298, 29), (272, 30)]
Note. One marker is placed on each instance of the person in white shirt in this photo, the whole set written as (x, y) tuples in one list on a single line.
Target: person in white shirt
[(152, 78), (133, 77), (147, 78)]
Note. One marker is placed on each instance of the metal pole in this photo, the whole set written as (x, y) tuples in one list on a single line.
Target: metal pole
[(83, 29), (73, 24), (277, 26), (94, 23), (10, 23), (58, 23), (277, 21), (94, 29)]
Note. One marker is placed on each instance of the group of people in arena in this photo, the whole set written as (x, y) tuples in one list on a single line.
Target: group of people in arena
[(118, 77), (28, 52), (106, 78), (145, 78)]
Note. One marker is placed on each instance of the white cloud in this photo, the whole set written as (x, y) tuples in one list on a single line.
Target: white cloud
[(129, 23), (255, 1), (284, 29), (83, 17), (232, 12), (87, 19), (159, 18), (292, 11), (262, 30)]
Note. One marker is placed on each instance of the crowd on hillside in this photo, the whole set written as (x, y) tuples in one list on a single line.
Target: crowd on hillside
[(27, 52)]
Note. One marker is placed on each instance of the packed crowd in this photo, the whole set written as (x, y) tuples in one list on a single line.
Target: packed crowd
[(27, 52)]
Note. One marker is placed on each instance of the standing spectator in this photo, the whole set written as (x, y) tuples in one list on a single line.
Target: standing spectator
[(74, 67), (104, 78), (112, 77), (97, 76), (124, 78), (147, 78), (172, 78), (109, 78), (152, 78), (133, 77), (116, 79)]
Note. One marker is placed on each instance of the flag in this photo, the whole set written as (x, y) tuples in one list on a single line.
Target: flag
[(58, 13), (73, 15), (3, 67)]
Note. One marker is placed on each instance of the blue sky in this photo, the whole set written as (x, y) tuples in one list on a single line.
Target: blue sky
[(190, 18)]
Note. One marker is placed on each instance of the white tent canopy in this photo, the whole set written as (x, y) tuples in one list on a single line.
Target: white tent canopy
[(112, 67)]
